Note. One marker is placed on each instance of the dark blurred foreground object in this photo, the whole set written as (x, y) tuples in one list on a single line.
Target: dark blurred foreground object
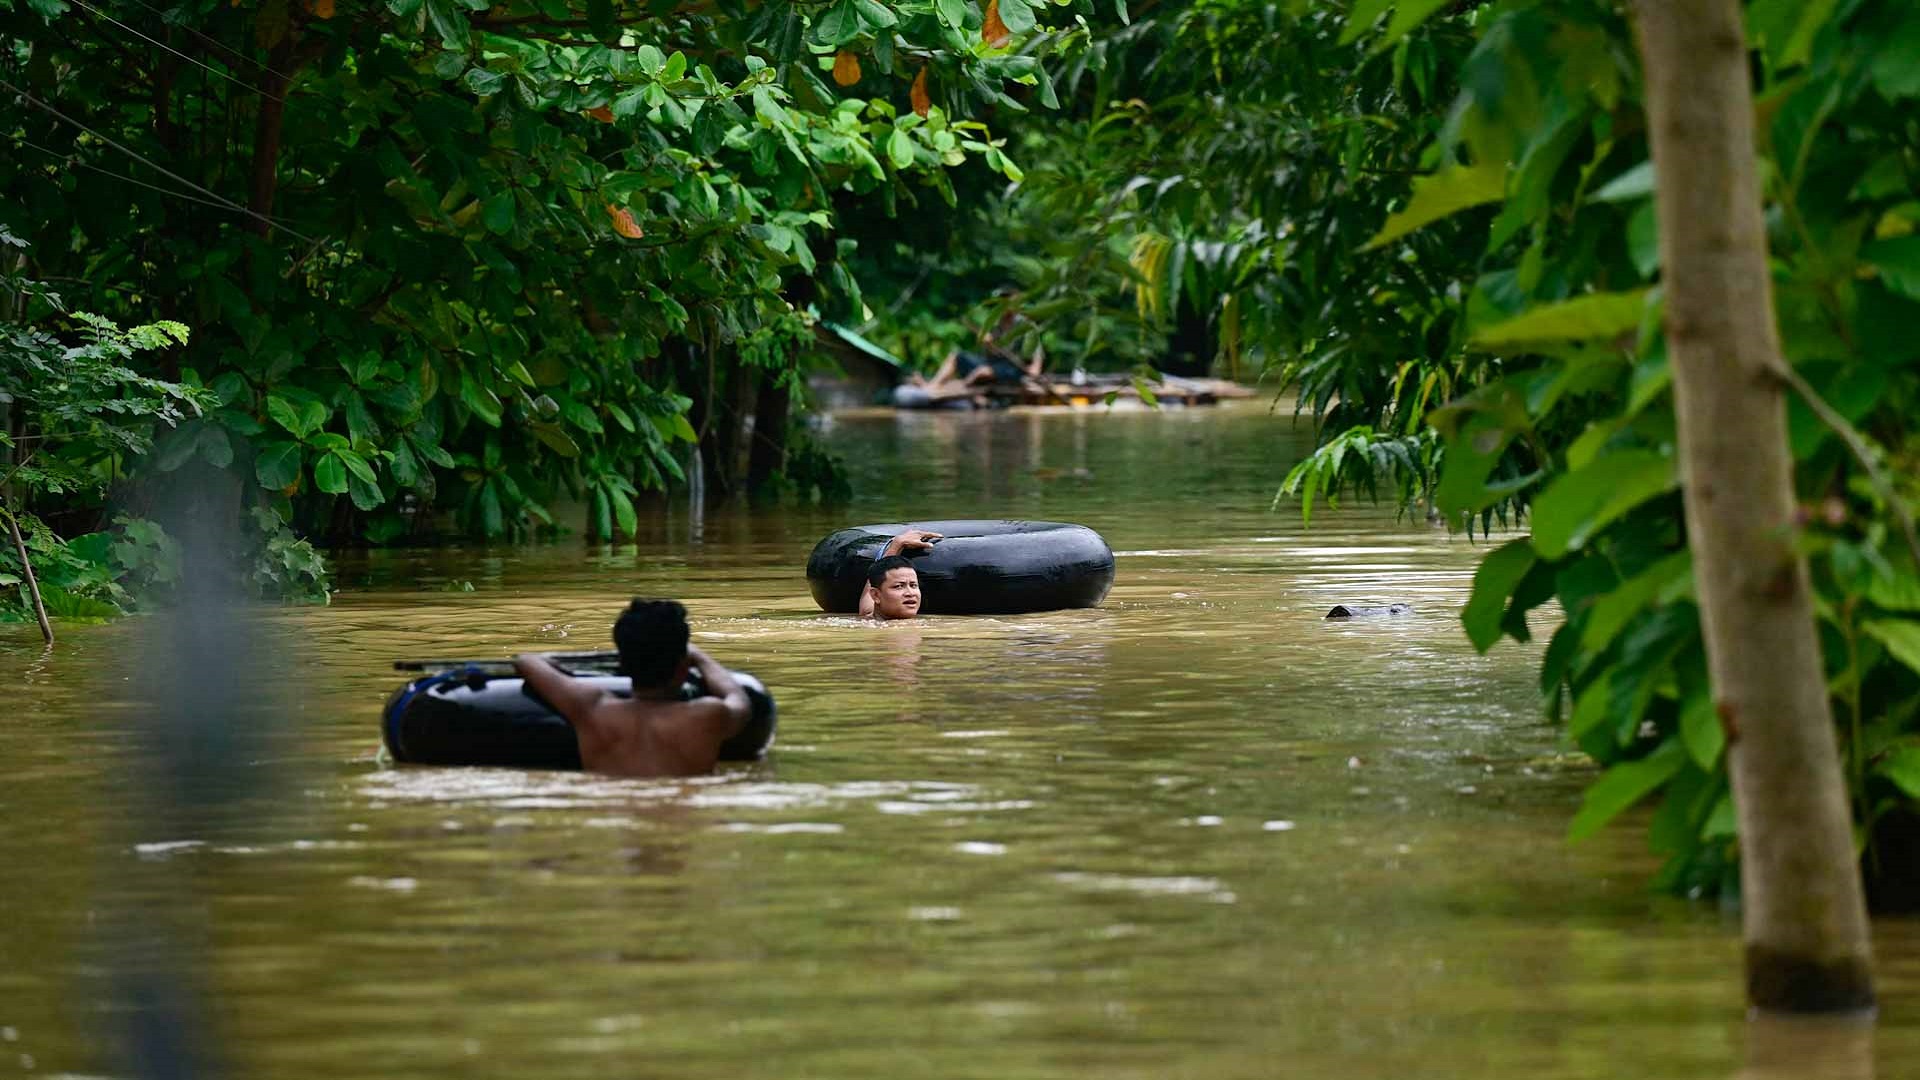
[(477, 713), (977, 568), (1356, 611)]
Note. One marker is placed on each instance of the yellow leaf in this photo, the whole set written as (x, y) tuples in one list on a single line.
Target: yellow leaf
[(624, 224), (993, 31), (921, 103), (322, 9), (846, 68)]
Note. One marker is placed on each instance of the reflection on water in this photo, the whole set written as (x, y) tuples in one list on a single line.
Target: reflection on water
[(1199, 831)]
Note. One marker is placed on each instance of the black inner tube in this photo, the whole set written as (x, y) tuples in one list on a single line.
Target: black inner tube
[(466, 717), (980, 568)]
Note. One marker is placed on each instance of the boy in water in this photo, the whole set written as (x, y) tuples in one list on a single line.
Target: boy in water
[(893, 585), (653, 733)]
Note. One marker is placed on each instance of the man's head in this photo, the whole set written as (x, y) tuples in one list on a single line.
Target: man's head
[(652, 638), (896, 588)]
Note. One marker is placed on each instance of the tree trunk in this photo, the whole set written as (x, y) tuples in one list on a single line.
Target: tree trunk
[(1805, 922), (28, 583), (768, 455), (267, 127)]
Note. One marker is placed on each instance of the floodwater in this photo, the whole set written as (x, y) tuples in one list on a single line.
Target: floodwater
[(1197, 832)]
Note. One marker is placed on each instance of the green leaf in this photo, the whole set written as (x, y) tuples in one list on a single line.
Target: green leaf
[(876, 16), (676, 67), (302, 417), (451, 24), (1595, 316), (559, 440), (623, 511), (484, 402), (1900, 636), (900, 149), (484, 82), (214, 447), (1635, 183), (497, 214), (1623, 785), (1018, 15), (1898, 592), (277, 465), (1361, 18), (366, 494), (682, 429), (952, 12), (1407, 17), (1580, 503), (1898, 260), (1786, 28), (837, 25), (1700, 728), (1903, 768), (330, 475), (1449, 191), (1894, 70), (1493, 583), (357, 465), (1665, 580)]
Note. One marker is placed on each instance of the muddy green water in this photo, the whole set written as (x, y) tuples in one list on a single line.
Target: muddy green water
[(1197, 832)]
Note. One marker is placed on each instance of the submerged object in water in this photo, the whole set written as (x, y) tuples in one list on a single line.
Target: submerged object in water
[(467, 716), (1356, 611), (978, 568)]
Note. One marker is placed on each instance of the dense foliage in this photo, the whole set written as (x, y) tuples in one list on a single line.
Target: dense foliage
[(487, 258)]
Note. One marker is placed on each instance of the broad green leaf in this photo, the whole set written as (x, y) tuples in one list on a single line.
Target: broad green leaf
[(1785, 29), (1903, 768), (330, 475), (277, 465), (1595, 316), (1493, 583), (682, 429), (1899, 592), (1361, 18), (302, 418), (1894, 70), (1449, 191), (357, 465), (1898, 260), (837, 25), (1407, 17), (451, 24), (676, 67), (484, 402), (497, 214), (1017, 15), (1578, 504), (1643, 240), (900, 149), (875, 15), (1667, 579), (214, 447), (1700, 729), (1900, 636), (952, 12), (1623, 785), (623, 512), (1635, 183), (366, 494), (559, 440)]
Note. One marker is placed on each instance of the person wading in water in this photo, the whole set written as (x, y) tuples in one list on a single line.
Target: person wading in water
[(653, 733), (893, 586)]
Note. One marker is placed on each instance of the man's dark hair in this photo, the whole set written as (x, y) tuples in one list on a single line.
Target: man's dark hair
[(652, 638), (877, 573)]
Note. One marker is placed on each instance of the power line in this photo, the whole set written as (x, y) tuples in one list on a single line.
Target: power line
[(163, 170), (119, 176), (216, 43), (191, 60)]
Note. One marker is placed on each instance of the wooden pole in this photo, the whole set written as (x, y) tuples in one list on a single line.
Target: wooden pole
[(1805, 921)]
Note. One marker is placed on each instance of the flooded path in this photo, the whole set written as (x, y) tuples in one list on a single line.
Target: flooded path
[(1198, 832)]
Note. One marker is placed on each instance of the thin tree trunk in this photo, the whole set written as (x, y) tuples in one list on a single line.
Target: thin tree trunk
[(267, 128), (1805, 923), (768, 455), (29, 582)]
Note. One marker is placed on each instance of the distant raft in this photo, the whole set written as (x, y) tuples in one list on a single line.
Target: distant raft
[(468, 717), (979, 568)]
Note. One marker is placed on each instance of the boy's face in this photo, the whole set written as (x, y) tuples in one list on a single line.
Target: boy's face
[(898, 594)]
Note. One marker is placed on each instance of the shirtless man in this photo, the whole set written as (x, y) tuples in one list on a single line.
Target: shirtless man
[(653, 733), (893, 586)]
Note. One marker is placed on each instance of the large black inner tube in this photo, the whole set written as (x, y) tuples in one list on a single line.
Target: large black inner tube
[(466, 717), (981, 568)]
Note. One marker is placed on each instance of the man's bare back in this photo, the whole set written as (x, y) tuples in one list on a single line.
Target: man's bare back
[(652, 733)]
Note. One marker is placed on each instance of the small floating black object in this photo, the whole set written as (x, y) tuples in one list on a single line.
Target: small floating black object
[(1356, 611), (979, 568), (467, 716)]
